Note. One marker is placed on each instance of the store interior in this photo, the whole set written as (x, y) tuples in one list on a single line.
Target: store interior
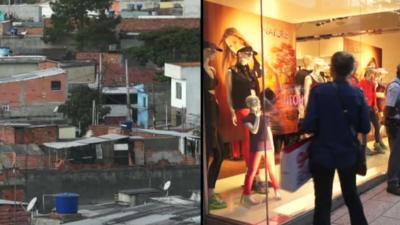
[(321, 27)]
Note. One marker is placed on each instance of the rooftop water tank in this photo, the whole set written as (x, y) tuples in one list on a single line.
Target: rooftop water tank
[(67, 203)]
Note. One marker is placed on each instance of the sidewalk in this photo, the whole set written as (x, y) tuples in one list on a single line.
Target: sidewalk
[(380, 207)]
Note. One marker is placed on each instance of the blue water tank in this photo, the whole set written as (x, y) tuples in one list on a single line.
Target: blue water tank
[(127, 125), (67, 203)]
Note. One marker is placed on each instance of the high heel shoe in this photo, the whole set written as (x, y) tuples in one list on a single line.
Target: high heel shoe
[(247, 201)]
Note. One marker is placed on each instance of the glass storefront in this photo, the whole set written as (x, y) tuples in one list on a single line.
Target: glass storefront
[(292, 42)]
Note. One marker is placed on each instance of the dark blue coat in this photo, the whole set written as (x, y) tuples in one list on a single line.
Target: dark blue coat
[(333, 143)]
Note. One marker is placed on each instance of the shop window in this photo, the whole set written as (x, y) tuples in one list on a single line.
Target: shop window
[(55, 85), (178, 90), (293, 44)]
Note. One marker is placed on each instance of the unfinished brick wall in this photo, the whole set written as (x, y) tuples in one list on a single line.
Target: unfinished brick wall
[(36, 135), (13, 195), (23, 162), (98, 130), (35, 91), (47, 65), (13, 214), (7, 135), (114, 69)]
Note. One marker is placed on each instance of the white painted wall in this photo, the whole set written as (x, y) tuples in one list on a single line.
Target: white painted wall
[(67, 132), (193, 84), (178, 103), (191, 8)]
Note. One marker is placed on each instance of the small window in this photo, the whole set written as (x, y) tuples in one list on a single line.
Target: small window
[(55, 85), (178, 90), (144, 102), (5, 108)]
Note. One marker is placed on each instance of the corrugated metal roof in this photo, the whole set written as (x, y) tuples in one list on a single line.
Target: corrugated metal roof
[(63, 145), (118, 90), (113, 137), (136, 137), (150, 213), (91, 140), (32, 75), (139, 191)]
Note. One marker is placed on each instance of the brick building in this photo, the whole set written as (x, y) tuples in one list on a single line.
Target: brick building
[(27, 134), (33, 94), (113, 69), (12, 212)]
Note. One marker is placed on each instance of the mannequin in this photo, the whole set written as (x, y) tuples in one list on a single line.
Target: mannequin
[(260, 141), (242, 82), (300, 78), (315, 78), (214, 143)]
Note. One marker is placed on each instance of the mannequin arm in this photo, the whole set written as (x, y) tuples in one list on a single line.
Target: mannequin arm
[(307, 87), (254, 127)]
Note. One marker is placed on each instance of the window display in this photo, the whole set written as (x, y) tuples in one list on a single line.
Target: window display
[(284, 51)]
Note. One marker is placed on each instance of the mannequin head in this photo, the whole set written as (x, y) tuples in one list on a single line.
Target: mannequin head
[(308, 62), (380, 74), (320, 65), (245, 55), (210, 50), (253, 103)]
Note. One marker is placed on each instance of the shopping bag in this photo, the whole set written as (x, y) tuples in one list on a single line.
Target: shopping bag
[(294, 165)]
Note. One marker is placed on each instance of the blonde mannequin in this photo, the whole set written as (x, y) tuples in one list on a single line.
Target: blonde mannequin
[(314, 78)]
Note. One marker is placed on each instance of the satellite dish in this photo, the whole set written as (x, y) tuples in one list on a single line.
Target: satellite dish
[(31, 204), (167, 185)]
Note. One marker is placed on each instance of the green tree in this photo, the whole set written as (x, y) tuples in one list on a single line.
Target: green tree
[(78, 108), (71, 19), (170, 44)]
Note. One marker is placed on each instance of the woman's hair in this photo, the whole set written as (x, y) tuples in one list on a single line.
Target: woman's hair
[(372, 63), (229, 58), (342, 64), (369, 72)]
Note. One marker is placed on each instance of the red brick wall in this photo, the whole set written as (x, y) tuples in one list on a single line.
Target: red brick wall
[(99, 130), (7, 135), (33, 31), (15, 215), (25, 161), (39, 90), (36, 135), (114, 69), (10, 194), (9, 94), (32, 91)]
